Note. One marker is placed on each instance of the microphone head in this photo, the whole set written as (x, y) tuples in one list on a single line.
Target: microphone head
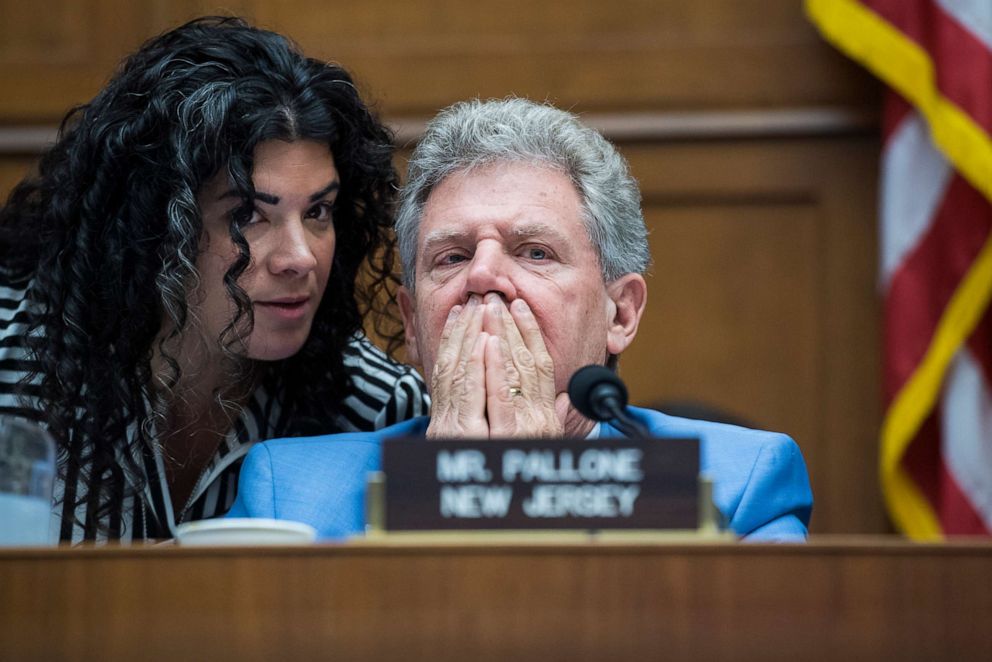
[(590, 385)]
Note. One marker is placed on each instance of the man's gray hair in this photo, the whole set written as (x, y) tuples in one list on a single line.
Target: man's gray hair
[(477, 133)]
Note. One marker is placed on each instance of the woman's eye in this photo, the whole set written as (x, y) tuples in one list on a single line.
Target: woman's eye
[(323, 212), (245, 216)]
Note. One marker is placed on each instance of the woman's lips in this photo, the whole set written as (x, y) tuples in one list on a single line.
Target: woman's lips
[(289, 308)]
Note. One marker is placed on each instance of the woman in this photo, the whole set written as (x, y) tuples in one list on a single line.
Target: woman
[(178, 282)]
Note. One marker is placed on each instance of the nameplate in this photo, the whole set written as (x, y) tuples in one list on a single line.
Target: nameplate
[(433, 485)]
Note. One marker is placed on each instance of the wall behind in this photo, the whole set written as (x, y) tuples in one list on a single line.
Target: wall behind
[(755, 145)]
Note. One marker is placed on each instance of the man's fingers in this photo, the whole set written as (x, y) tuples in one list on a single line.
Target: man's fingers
[(462, 412), (444, 362), (452, 350), (500, 390), (458, 379), (540, 360), (511, 410), (500, 322)]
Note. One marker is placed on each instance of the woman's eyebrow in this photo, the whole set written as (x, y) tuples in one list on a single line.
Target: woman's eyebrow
[(270, 199), (327, 190), (267, 198)]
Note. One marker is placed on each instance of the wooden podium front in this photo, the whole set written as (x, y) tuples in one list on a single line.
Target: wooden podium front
[(845, 599)]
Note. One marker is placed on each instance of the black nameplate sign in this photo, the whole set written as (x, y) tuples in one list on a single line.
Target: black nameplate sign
[(540, 484)]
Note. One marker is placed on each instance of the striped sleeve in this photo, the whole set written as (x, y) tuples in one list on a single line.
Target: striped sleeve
[(16, 397), (384, 391)]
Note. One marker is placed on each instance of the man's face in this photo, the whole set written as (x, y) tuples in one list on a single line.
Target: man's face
[(291, 237), (516, 230)]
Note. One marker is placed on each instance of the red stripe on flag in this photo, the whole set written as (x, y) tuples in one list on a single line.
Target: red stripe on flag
[(925, 465), (926, 280), (894, 111), (914, 18), (957, 516), (980, 346), (922, 458), (962, 62)]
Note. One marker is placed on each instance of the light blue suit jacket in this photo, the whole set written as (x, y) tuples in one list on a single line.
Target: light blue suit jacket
[(760, 480)]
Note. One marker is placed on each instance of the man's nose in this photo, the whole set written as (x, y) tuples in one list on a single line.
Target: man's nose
[(292, 253), (490, 271)]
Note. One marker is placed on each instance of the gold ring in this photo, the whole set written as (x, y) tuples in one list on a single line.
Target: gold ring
[(514, 392)]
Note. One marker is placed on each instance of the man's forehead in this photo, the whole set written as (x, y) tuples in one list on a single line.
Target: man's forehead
[(515, 200), (513, 231)]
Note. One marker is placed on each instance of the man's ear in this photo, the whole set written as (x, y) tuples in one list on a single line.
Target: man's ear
[(409, 313), (629, 296)]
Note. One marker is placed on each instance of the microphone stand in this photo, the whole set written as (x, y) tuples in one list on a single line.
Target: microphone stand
[(622, 420)]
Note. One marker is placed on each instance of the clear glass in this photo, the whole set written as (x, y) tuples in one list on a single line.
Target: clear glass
[(27, 475)]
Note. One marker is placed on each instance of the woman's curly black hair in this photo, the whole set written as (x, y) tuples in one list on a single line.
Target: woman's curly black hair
[(110, 230)]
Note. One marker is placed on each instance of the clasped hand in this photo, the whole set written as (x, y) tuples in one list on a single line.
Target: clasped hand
[(493, 375)]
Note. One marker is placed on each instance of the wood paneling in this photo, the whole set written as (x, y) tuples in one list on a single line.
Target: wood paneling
[(761, 300), (12, 170), (864, 600), (635, 53), (417, 57), (55, 41), (56, 58)]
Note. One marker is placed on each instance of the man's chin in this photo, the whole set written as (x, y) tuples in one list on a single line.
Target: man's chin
[(576, 425)]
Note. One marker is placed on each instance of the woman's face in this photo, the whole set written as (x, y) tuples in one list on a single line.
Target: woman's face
[(291, 236)]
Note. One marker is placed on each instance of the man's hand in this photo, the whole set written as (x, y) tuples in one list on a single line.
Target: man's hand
[(458, 383), (520, 374), (493, 376)]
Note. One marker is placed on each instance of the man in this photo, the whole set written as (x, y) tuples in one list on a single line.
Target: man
[(523, 249)]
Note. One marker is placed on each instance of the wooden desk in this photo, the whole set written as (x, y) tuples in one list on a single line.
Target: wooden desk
[(828, 600)]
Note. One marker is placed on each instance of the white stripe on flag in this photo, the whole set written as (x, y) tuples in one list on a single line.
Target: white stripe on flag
[(966, 432), (975, 16), (914, 179)]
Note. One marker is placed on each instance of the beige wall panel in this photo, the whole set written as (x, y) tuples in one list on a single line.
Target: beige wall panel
[(761, 301), (418, 56)]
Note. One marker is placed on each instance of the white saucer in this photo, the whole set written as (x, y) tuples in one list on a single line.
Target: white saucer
[(245, 531)]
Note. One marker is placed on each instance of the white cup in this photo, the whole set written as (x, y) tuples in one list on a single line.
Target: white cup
[(27, 473)]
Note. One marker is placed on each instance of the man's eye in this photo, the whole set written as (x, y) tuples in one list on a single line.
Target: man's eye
[(451, 258), (536, 253)]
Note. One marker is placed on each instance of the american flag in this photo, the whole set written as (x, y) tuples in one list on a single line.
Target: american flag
[(936, 251)]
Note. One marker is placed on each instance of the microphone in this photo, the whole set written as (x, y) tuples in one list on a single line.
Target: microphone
[(599, 394)]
